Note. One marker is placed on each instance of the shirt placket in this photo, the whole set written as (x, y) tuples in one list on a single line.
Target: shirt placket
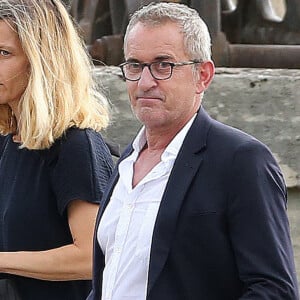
[(120, 238)]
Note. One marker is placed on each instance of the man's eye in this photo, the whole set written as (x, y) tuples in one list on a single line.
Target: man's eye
[(163, 65), (134, 66)]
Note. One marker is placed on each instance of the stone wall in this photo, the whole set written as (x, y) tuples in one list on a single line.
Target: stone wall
[(263, 102)]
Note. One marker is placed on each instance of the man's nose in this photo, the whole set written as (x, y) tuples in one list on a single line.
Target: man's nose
[(147, 80)]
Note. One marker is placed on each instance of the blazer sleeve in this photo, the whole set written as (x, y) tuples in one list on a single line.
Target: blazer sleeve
[(259, 227)]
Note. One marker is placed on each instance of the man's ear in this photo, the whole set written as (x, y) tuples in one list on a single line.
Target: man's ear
[(206, 73)]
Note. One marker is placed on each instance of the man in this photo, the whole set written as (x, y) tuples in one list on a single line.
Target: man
[(195, 209)]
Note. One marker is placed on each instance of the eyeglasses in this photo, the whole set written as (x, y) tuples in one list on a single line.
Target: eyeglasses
[(160, 70)]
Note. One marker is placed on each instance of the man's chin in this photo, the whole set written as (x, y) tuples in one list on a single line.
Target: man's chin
[(149, 116)]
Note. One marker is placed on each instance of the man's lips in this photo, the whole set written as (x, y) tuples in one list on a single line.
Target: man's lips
[(148, 101), (149, 97)]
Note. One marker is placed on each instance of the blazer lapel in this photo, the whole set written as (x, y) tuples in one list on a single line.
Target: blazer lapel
[(186, 165)]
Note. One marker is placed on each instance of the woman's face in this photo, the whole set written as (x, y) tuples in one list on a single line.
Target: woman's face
[(14, 67)]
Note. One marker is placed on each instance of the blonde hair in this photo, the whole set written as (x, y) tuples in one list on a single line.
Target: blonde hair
[(61, 92)]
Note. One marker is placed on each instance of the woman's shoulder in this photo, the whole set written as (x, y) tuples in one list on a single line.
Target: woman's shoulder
[(76, 137), (75, 133), (94, 138), (82, 142), (74, 142)]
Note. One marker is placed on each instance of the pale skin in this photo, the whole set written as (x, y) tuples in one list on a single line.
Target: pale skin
[(70, 262), (163, 106)]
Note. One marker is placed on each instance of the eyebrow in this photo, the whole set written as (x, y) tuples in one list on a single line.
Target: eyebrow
[(6, 47), (157, 58), (164, 57)]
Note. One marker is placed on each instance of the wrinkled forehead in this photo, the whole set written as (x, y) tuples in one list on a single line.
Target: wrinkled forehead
[(150, 37), (152, 25)]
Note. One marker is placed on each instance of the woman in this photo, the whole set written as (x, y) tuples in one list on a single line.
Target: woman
[(53, 161)]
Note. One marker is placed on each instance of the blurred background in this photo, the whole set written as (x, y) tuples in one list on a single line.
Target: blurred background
[(245, 33)]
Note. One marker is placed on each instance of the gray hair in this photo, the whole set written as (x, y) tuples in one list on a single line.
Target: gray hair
[(197, 41)]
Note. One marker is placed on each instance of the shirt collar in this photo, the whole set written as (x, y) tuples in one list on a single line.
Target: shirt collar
[(172, 149)]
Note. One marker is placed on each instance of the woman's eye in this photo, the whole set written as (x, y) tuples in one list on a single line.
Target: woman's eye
[(4, 53)]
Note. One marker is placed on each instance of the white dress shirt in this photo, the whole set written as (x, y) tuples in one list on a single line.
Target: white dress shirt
[(125, 230)]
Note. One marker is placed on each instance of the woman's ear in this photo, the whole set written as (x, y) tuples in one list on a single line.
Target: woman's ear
[(206, 71)]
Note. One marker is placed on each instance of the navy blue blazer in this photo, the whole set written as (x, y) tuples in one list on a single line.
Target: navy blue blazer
[(221, 231)]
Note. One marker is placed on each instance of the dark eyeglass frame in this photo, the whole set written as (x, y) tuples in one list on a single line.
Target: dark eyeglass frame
[(149, 65)]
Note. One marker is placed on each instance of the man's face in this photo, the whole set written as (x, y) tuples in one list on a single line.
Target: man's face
[(169, 103), (14, 66)]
